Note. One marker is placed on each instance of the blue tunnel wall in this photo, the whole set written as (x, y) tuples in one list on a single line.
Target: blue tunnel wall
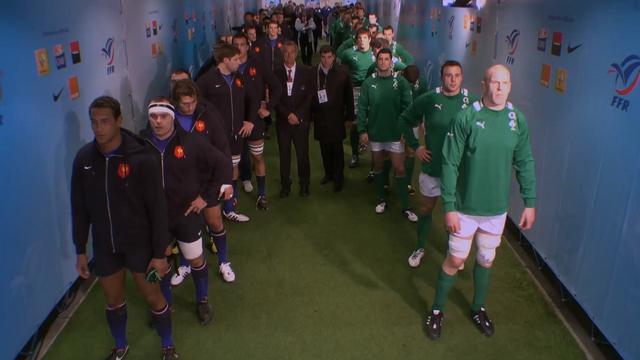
[(582, 110), (126, 50)]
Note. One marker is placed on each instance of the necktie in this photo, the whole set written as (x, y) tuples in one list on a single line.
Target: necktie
[(289, 79)]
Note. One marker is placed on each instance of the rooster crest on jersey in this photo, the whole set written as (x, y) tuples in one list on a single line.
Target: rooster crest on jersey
[(124, 170), (178, 152), (199, 125)]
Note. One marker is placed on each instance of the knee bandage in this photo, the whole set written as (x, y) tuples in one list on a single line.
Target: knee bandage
[(459, 247), (487, 245), (191, 250), (256, 149)]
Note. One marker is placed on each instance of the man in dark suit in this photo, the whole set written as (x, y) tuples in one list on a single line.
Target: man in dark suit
[(333, 108), (293, 118)]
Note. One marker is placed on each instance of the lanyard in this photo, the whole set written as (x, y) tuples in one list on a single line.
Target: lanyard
[(326, 77)]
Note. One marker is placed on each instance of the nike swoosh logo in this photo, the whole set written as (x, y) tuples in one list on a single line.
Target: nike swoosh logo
[(88, 167), (572, 49), (218, 85), (467, 44), (57, 96)]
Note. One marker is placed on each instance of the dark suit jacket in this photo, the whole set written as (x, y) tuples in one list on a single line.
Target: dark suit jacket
[(299, 102), (329, 117)]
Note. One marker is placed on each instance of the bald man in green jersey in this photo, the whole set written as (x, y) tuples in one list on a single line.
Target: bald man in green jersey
[(439, 107), (485, 143), (385, 95)]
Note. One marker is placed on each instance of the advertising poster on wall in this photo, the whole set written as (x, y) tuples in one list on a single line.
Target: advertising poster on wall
[(75, 52), (74, 88), (42, 62)]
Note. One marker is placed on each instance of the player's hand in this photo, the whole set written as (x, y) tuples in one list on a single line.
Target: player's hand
[(161, 266), (364, 139), (245, 130), (263, 113), (423, 154), (452, 220), (196, 206), (226, 194), (293, 119), (82, 266), (527, 219)]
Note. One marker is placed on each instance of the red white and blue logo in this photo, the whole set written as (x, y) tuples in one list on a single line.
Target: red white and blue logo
[(627, 78), (109, 53), (627, 74)]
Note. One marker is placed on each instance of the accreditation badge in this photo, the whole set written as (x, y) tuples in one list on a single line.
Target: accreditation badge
[(322, 96)]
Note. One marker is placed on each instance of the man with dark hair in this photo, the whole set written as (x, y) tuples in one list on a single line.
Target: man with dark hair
[(401, 57), (258, 80), (485, 143), (252, 37), (377, 44), (385, 95), (350, 41), (417, 82), (372, 19), (192, 174), (117, 193), (269, 48), (438, 108), (200, 118), (333, 108), (224, 88), (293, 117), (177, 75), (358, 60)]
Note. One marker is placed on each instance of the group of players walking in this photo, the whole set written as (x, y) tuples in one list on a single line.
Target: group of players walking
[(175, 182)]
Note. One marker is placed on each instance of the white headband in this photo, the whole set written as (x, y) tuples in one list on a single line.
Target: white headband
[(161, 108)]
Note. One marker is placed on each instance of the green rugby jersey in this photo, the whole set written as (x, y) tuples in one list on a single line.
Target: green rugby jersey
[(358, 63), (480, 149), (419, 88), (401, 55), (346, 45), (439, 111), (382, 100)]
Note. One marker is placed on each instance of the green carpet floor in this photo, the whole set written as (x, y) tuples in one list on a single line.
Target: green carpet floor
[(325, 277)]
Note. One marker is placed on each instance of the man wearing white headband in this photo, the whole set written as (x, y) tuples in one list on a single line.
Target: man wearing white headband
[(192, 175)]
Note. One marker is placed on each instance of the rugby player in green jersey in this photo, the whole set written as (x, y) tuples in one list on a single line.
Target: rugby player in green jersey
[(438, 107), (401, 57), (384, 96), (484, 143), (358, 61)]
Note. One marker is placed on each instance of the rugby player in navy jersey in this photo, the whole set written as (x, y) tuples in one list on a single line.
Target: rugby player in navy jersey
[(116, 191)]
